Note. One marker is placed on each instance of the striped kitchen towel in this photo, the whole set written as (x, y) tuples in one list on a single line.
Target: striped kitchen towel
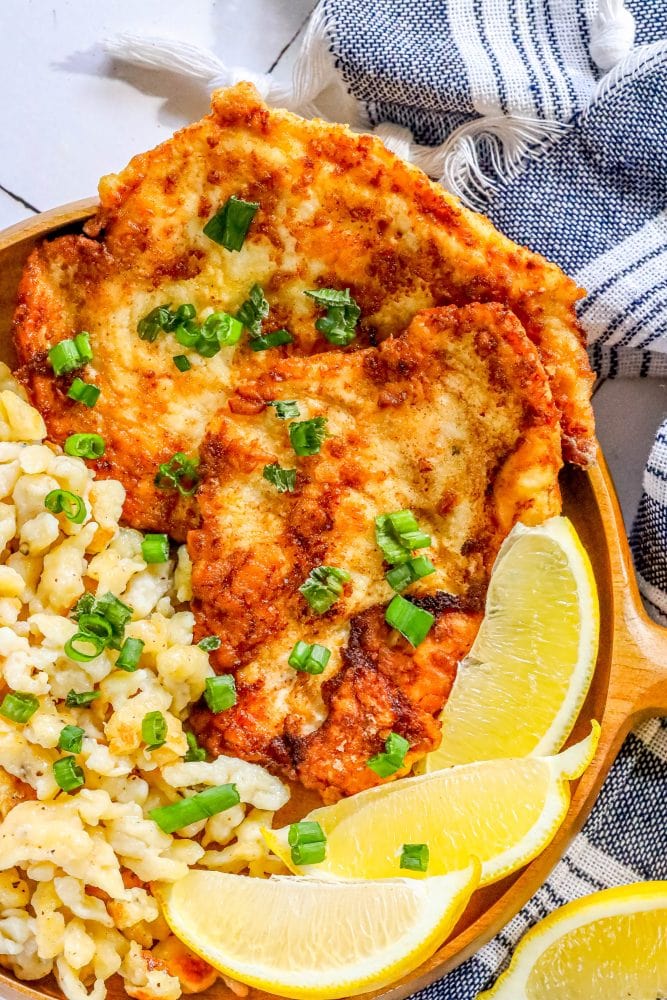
[(551, 117)]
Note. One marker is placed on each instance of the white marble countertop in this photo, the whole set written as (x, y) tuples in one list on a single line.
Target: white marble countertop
[(69, 114)]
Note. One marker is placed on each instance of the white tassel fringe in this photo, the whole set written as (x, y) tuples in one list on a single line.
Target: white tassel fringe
[(612, 34), (508, 140)]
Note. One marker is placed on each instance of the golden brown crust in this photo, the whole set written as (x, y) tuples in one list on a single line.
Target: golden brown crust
[(337, 209), (454, 420)]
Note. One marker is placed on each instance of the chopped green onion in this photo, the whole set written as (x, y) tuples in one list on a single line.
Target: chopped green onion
[(17, 706), (398, 534), (187, 334), (220, 692), (308, 843), (393, 758), (310, 659), (203, 805), (130, 654), (339, 324), (154, 730), (268, 340), (194, 751), (218, 330), (414, 857), (155, 322), (181, 362), (68, 774), (412, 622), (100, 619), (306, 436), (209, 643), (82, 344), (253, 311), (286, 409), (84, 606), (179, 473), (74, 651), (229, 226), (323, 587), (414, 569), (81, 699), (69, 504), (84, 392), (71, 739), (155, 548), (84, 445), (64, 357), (284, 480), (96, 625)]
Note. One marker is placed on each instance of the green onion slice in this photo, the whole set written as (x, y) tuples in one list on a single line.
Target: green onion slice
[(393, 758), (209, 643), (101, 618), (154, 730), (339, 324), (17, 706), (187, 334), (308, 843), (230, 224), (82, 344), (203, 805), (84, 445), (181, 362), (179, 473), (412, 622), (155, 548), (414, 857), (93, 646), (71, 739), (323, 587), (220, 692), (284, 480), (275, 339), (130, 654), (398, 534), (400, 577), (157, 320), (84, 392), (307, 436), (253, 311), (194, 751), (81, 699), (68, 774), (64, 357), (69, 504), (286, 409), (310, 659)]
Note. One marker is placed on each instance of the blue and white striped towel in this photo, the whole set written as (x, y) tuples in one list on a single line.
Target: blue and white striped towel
[(542, 113)]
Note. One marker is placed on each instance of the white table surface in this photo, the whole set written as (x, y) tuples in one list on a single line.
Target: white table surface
[(69, 114)]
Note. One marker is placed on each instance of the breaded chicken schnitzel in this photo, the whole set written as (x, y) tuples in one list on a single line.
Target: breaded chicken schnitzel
[(454, 421), (335, 210)]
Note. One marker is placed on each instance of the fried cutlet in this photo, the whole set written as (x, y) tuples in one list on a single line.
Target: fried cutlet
[(336, 209), (453, 420)]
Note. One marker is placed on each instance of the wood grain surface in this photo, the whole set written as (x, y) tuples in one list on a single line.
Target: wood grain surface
[(630, 681)]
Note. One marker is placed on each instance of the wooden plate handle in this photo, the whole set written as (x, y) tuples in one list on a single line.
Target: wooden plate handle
[(638, 671)]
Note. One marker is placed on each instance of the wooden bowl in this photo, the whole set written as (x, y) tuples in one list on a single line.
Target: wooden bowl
[(630, 681)]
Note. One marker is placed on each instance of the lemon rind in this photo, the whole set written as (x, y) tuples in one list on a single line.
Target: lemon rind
[(622, 900)]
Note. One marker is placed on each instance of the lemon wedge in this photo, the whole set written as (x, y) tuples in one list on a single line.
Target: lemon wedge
[(521, 687), (300, 937), (609, 945), (503, 812)]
